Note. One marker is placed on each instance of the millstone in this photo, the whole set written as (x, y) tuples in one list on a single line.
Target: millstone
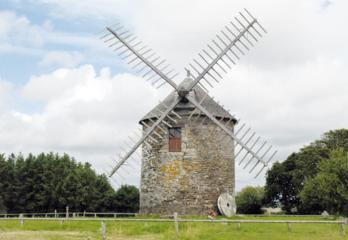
[(227, 205)]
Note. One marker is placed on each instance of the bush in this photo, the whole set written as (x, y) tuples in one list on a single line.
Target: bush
[(249, 200)]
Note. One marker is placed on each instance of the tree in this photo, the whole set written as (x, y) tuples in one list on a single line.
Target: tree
[(285, 181), (329, 188), (51, 181), (127, 199), (334, 139), (3, 182), (249, 200)]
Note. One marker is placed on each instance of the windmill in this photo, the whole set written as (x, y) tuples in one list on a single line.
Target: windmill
[(188, 143)]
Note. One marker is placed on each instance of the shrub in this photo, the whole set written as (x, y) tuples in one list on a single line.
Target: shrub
[(249, 200)]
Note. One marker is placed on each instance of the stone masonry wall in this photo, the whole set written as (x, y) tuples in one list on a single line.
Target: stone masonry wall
[(188, 182)]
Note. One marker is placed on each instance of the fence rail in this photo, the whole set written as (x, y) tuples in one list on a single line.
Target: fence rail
[(112, 214), (171, 219), (66, 214), (178, 220)]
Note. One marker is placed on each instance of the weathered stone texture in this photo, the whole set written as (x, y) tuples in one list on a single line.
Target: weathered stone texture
[(190, 181)]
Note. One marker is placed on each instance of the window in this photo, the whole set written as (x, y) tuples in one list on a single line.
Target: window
[(174, 139)]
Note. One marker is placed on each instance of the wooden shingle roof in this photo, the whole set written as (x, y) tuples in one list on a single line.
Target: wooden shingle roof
[(213, 107)]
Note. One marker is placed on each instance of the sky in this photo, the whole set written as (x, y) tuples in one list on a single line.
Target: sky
[(62, 90)]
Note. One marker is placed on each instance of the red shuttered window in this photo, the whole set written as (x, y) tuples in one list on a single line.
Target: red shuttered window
[(174, 139)]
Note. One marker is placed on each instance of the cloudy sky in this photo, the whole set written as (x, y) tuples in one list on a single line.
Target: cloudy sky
[(63, 90)]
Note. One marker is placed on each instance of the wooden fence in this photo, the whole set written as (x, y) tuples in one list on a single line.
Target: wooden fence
[(67, 215), (122, 217)]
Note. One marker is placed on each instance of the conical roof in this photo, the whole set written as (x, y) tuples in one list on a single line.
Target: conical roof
[(208, 103)]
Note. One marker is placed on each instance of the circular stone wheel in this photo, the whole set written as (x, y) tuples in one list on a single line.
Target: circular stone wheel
[(227, 205)]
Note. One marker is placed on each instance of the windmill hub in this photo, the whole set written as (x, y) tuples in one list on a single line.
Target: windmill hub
[(184, 87), (183, 92)]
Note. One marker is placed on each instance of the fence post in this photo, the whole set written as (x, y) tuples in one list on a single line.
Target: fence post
[(238, 226), (67, 212), (289, 227), (84, 213), (55, 213), (95, 215), (74, 215), (176, 224), (343, 228), (21, 219), (103, 230)]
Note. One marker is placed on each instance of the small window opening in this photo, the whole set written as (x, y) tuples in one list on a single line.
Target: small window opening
[(174, 139)]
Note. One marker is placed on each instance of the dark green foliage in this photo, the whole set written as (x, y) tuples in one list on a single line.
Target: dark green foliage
[(47, 182), (2, 205), (286, 180), (127, 199), (329, 188), (249, 200)]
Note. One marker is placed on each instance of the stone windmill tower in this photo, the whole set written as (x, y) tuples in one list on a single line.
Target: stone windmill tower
[(192, 165), (189, 144)]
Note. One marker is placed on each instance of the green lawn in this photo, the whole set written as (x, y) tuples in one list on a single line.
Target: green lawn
[(54, 230)]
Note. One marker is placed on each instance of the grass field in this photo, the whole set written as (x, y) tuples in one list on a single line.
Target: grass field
[(54, 230)]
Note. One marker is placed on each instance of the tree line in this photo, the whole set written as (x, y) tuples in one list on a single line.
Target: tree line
[(310, 181), (314, 179), (49, 182)]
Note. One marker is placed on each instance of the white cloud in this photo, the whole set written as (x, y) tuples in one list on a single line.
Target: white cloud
[(21, 36), (61, 59), (57, 84), (86, 114), (179, 29), (18, 30), (6, 89)]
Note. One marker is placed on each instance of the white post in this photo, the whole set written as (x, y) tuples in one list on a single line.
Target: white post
[(21, 219), (55, 213), (67, 212), (289, 227), (343, 232), (103, 230), (176, 224), (238, 226), (84, 213)]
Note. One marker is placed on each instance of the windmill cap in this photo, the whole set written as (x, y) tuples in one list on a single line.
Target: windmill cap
[(208, 103)]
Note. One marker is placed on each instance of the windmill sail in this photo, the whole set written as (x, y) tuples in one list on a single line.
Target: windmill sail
[(150, 133), (244, 144), (226, 49), (140, 57)]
